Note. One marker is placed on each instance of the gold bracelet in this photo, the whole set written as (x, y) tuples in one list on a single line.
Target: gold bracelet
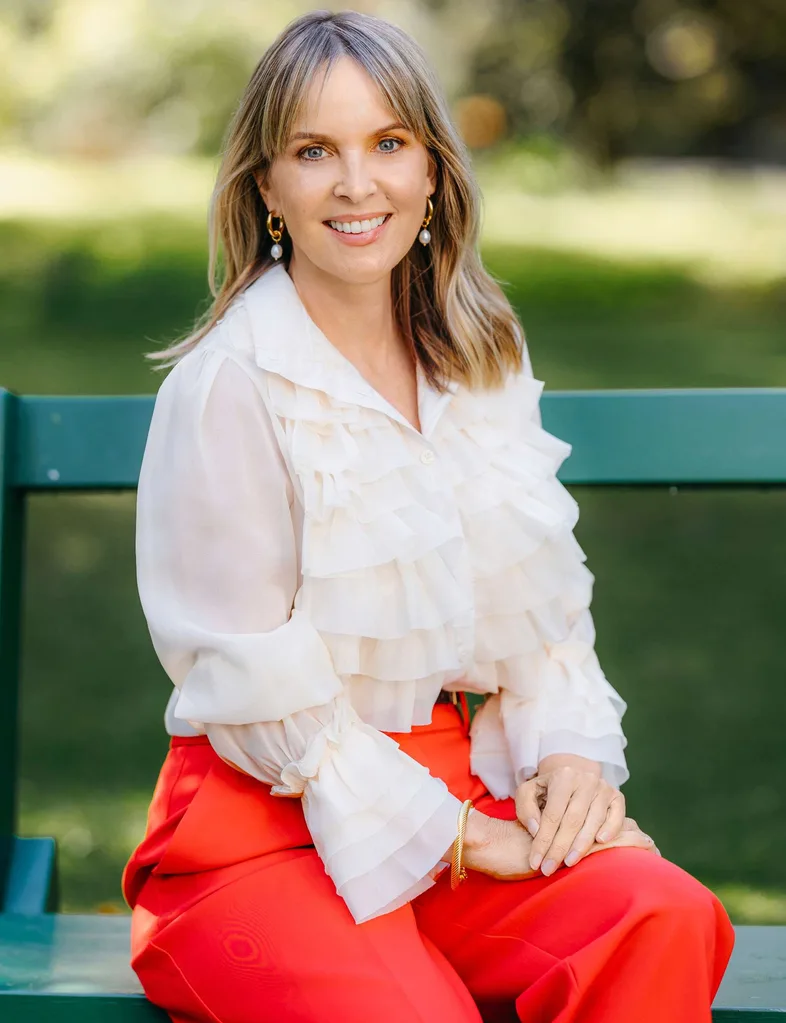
[(457, 872)]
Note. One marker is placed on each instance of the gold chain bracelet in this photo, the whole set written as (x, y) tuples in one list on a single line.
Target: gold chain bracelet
[(457, 872)]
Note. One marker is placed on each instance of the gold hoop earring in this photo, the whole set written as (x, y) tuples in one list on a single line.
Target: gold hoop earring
[(425, 235), (276, 251)]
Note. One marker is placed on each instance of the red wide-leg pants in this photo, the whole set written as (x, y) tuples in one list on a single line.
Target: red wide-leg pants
[(235, 920)]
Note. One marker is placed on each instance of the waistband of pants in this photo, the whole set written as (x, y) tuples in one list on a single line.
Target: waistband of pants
[(458, 698)]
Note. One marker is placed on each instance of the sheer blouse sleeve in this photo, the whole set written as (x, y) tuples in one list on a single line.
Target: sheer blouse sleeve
[(565, 703), (217, 573)]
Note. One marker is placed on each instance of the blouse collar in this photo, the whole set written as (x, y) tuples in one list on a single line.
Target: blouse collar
[(288, 342)]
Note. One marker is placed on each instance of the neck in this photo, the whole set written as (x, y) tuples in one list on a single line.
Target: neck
[(356, 318)]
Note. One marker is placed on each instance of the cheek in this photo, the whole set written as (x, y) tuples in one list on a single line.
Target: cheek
[(305, 196), (407, 189)]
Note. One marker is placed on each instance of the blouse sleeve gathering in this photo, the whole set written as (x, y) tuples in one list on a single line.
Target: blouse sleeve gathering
[(217, 572), (566, 704)]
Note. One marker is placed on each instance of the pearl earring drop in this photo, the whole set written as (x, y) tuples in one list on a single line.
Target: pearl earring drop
[(276, 251), (425, 235)]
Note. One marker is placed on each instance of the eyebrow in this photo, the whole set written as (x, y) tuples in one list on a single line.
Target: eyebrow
[(300, 135)]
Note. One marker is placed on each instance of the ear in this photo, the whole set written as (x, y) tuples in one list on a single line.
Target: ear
[(267, 195), (432, 173)]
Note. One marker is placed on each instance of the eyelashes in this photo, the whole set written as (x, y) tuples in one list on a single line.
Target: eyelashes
[(385, 152)]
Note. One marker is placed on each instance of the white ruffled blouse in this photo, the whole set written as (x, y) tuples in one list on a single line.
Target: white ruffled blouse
[(313, 570)]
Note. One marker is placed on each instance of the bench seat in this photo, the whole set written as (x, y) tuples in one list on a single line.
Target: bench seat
[(61, 968)]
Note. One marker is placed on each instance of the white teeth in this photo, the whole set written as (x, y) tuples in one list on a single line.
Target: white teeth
[(356, 226)]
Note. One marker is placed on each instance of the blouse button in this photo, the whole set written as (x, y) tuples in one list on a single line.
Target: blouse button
[(427, 457)]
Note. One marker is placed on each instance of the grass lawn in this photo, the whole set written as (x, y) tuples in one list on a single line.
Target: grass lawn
[(689, 586)]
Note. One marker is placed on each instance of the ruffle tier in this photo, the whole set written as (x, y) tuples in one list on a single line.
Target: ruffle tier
[(414, 585), (386, 571), (534, 632)]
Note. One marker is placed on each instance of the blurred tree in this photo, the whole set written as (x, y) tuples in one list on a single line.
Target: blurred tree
[(616, 78), (653, 77)]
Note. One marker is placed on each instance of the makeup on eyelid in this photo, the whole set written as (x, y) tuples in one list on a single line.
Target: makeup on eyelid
[(319, 145)]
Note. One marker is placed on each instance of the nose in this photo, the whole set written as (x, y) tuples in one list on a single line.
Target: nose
[(356, 182)]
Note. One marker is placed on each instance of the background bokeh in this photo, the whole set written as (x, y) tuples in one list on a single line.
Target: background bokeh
[(631, 155)]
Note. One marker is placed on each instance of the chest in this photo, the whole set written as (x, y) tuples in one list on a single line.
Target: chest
[(398, 385), (375, 495)]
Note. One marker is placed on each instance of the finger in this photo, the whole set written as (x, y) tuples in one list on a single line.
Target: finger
[(626, 839), (636, 837), (527, 805), (596, 815), (615, 816), (572, 822), (561, 784)]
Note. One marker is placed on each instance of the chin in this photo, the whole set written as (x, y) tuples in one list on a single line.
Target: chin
[(357, 270)]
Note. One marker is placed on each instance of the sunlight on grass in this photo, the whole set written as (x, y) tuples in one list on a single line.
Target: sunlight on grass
[(95, 834), (85, 191), (747, 905), (721, 225)]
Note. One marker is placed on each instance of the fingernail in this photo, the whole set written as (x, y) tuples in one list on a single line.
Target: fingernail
[(572, 857), (535, 860), (603, 836), (549, 867), (532, 826)]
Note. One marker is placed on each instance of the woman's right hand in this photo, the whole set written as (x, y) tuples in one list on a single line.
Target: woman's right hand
[(501, 848)]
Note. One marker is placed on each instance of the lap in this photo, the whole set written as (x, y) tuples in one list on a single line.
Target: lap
[(540, 922), (280, 938)]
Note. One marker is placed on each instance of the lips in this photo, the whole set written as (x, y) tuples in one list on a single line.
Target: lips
[(359, 237), (360, 226)]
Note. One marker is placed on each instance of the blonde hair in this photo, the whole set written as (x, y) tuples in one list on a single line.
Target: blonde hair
[(453, 313)]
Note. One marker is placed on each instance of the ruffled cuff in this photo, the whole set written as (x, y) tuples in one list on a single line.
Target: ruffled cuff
[(379, 820), (562, 703), (573, 709), (607, 750)]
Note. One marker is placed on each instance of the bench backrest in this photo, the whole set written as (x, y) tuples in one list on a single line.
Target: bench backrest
[(709, 437)]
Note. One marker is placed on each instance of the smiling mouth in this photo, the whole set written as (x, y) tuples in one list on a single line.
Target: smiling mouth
[(357, 227)]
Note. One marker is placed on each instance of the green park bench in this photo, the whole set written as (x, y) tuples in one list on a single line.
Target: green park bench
[(63, 967)]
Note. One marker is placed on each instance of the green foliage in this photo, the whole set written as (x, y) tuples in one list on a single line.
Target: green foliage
[(650, 77)]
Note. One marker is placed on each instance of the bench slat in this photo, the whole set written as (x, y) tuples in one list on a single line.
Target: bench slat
[(84, 961), (703, 436)]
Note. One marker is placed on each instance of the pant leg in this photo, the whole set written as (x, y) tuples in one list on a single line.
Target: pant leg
[(279, 945), (622, 934), (234, 918)]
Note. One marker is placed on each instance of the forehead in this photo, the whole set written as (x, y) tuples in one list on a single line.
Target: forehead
[(343, 99)]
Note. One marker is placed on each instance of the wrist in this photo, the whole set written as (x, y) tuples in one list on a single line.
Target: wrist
[(478, 839), (476, 832), (554, 761), (475, 837)]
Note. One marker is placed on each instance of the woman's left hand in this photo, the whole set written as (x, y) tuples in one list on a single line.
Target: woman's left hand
[(567, 807)]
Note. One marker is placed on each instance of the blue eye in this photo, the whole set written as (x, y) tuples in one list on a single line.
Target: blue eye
[(315, 159)]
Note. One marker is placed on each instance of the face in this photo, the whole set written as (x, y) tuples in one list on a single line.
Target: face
[(348, 160)]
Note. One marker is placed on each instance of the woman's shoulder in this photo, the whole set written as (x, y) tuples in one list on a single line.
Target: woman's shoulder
[(227, 343), (214, 381)]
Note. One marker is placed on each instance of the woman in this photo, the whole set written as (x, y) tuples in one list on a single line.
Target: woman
[(348, 517)]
